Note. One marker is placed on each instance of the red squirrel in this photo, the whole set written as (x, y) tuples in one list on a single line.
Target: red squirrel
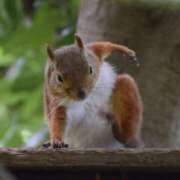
[(86, 102)]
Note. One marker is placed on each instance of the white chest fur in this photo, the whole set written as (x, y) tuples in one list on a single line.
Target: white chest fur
[(85, 127)]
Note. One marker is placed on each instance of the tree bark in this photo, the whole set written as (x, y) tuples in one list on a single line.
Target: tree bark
[(153, 31)]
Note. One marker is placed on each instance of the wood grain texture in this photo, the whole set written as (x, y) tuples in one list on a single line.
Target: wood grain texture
[(91, 160)]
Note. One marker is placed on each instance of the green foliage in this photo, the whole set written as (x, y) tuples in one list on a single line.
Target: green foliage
[(22, 58)]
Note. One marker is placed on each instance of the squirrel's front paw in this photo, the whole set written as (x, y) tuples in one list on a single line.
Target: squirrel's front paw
[(56, 143), (46, 145), (131, 55)]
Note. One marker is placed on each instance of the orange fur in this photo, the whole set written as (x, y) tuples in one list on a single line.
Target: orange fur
[(104, 49), (56, 116), (126, 103), (127, 110), (57, 120)]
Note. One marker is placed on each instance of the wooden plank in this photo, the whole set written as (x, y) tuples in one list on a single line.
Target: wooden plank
[(94, 159), (58, 175)]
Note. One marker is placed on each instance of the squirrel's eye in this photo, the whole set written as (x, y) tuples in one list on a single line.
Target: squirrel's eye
[(90, 70), (60, 78)]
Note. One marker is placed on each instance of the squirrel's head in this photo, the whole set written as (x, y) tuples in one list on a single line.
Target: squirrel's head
[(74, 70)]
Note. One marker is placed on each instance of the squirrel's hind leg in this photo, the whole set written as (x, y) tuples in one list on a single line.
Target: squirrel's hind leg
[(127, 110)]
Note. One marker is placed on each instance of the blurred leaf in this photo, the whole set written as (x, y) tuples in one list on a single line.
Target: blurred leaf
[(21, 103)]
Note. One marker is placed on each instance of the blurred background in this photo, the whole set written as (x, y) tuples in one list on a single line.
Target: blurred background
[(151, 28), (25, 28)]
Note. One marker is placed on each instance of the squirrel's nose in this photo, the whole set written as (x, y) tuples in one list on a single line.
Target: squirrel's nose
[(81, 94)]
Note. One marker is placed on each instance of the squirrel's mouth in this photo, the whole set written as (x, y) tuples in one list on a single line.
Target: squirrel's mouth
[(76, 98), (78, 95)]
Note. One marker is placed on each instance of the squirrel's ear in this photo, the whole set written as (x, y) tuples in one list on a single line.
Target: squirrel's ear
[(78, 41), (50, 52)]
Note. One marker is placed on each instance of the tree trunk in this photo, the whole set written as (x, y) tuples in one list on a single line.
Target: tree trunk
[(153, 31)]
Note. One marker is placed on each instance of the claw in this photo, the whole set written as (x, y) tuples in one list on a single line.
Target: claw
[(57, 144), (46, 145), (137, 61), (132, 55)]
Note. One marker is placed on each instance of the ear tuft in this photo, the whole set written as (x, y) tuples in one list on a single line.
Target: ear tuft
[(50, 52), (78, 41)]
